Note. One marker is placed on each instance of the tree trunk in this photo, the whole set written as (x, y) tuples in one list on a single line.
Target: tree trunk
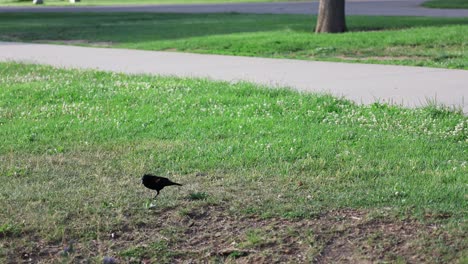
[(331, 17)]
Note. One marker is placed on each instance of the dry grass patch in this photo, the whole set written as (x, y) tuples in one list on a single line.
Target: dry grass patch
[(201, 234)]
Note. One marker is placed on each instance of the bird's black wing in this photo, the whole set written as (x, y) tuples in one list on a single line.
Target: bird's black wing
[(155, 180)]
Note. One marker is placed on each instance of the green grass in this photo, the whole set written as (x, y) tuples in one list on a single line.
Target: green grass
[(75, 143), (461, 4), (123, 2), (420, 41)]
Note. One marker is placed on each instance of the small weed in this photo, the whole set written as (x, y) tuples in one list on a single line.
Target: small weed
[(15, 172), (184, 211), (159, 246), (237, 254), (254, 238), (9, 230), (136, 252)]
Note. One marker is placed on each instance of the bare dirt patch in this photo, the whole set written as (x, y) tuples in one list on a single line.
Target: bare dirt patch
[(171, 50), (211, 234)]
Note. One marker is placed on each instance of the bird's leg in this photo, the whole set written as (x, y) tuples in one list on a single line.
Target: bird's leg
[(151, 206), (156, 195)]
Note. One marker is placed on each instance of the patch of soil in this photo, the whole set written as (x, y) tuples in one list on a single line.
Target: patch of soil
[(211, 234), (171, 50)]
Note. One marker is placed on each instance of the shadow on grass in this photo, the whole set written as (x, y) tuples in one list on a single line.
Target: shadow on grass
[(141, 27)]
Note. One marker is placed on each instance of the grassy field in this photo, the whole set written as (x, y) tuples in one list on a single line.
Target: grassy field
[(463, 4), (430, 3), (421, 41), (269, 175), (126, 2)]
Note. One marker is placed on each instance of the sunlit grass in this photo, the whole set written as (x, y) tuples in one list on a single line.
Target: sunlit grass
[(75, 144), (184, 127)]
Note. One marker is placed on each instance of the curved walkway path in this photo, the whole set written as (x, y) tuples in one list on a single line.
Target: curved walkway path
[(362, 83), (353, 7)]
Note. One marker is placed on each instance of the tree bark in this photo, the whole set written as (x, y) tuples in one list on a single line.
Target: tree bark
[(331, 17)]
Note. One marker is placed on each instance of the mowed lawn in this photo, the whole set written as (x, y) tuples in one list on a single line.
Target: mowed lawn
[(126, 2), (418, 41), (269, 175), (455, 4), (430, 3)]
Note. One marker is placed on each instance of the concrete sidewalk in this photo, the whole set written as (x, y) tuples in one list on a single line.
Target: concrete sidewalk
[(353, 7), (362, 83)]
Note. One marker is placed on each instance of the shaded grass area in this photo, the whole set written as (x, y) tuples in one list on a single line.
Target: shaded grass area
[(75, 144), (421, 41), (124, 2), (456, 4)]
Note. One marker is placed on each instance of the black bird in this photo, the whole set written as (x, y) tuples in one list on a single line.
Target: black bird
[(156, 183)]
